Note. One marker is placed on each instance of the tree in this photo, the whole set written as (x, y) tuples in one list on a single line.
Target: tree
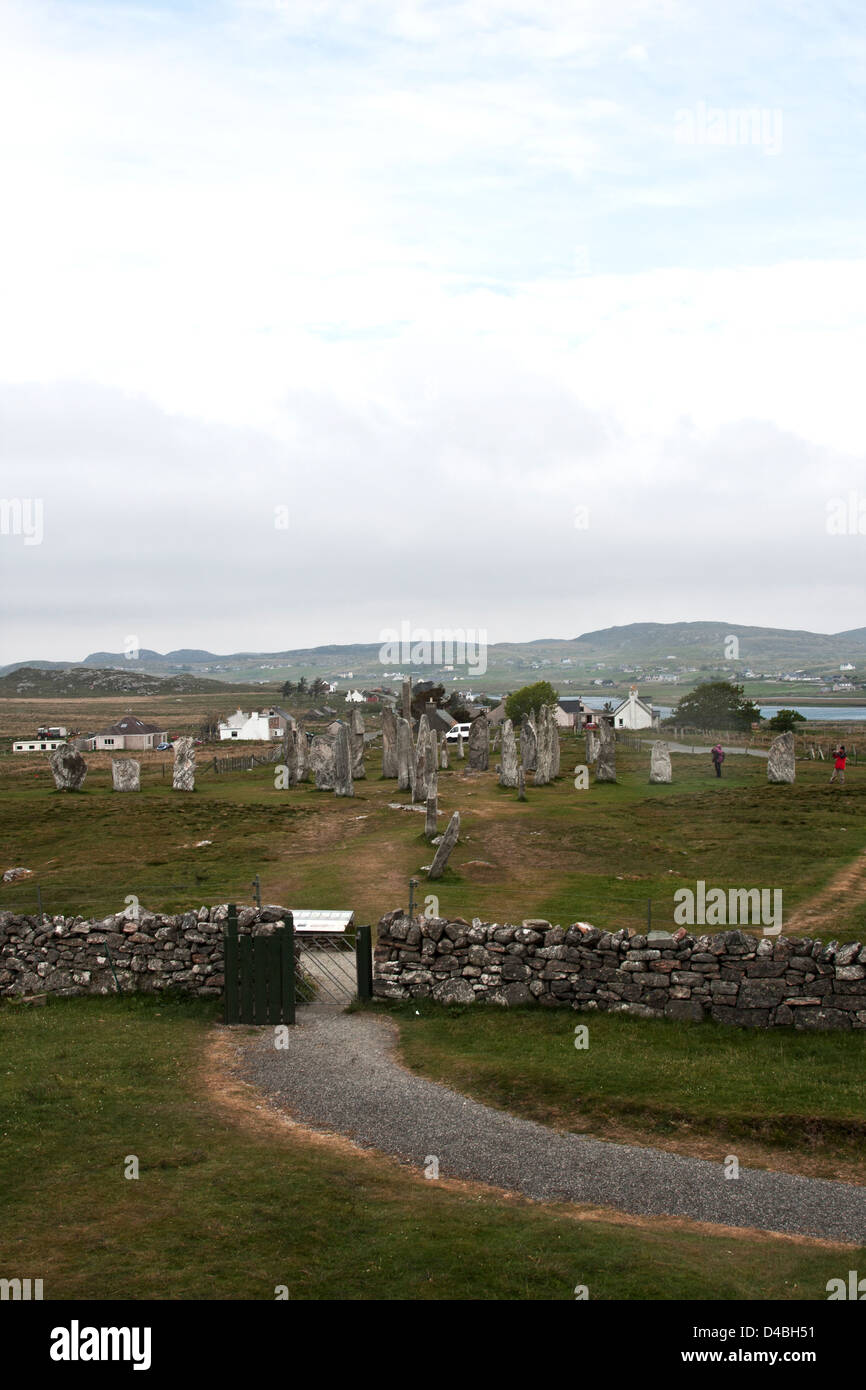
[(716, 705), (784, 720), (289, 688), (302, 685), (319, 686), (529, 698)]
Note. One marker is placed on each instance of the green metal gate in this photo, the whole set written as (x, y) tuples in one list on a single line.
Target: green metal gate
[(265, 976)]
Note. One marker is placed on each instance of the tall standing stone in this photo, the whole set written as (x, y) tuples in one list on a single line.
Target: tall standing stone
[(405, 756), (443, 757), (508, 763), (544, 751), (407, 700), (389, 742), (660, 763), (302, 749), (591, 746), (446, 844), (432, 811), (528, 744), (781, 762), (290, 756), (554, 744), (356, 744), (68, 768), (521, 784), (422, 754), (461, 752), (479, 743), (322, 762), (605, 763), (343, 758), (126, 775), (183, 779)]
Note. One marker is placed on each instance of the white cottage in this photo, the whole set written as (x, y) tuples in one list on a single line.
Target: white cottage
[(634, 713), (256, 727)]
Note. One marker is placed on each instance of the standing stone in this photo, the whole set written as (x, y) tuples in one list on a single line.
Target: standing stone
[(660, 763), (343, 758), (460, 750), (508, 765), (68, 768), (419, 786), (322, 762), (356, 744), (443, 758), (290, 756), (126, 775), (605, 763), (184, 766), (554, 745), (430, 817), (432, 765), (528, 744), (407, 700), (446, 844), (302, 750), (521, 784), (544, 751), (389, 742), (591, 746), (479, 743), (781, 762), (405, 756)]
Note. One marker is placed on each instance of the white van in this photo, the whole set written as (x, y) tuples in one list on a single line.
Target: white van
[(456, 732)]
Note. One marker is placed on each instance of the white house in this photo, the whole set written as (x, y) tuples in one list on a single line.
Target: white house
[(571, 712), (256, 727), (634, 713), (37, 745), (354, 697)]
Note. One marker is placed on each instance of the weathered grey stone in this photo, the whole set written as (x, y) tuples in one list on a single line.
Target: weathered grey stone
[(356, 744), (449, 840), (422, 760), (528, 744), (479, 743), (443, 756), (405, 756), (302, 749), (290, 756), (508, 765), (544, 753), (68, 768), (660, 763), (389, 742), (183, 779), (591, 746), (322, 762), (605, 763), (406, 696), (454, 990), (126, 775), (430, 827), (343, 758), (461, 752), (781, 763), (521, 784)]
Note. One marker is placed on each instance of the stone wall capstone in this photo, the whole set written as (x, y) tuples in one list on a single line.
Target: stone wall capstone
[(730, 977)]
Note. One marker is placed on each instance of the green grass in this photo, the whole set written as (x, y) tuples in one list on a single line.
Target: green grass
[(791, 1092), (229, 1210)]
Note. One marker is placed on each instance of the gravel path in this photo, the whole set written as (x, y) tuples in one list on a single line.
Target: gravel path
[(339, 1073)]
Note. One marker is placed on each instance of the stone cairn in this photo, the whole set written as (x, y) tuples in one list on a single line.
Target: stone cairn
[(446, 844), (126, 775), (781, 762), (660, 763), (508, 763), (68, 768), (605, 763), (183, 779), (479, 744), (322, 763), (343, 758), (389, 743)]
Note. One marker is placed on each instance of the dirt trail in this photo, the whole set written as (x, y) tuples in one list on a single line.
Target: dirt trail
[(846, 890)]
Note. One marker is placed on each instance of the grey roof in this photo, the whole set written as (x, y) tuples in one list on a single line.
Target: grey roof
[(130, 725)]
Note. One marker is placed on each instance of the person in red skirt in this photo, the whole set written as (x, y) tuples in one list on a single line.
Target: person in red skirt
[(839, 757)]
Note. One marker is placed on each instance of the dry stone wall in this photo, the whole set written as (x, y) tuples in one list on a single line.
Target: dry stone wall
[(731, 977), (68, 955)]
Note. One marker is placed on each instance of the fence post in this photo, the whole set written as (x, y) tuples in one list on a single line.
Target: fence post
[(287, 969), (364, 962), (230, 965)]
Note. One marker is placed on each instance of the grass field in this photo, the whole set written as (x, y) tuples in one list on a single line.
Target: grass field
[(791, 1101), (597, 855), (230, 1204)]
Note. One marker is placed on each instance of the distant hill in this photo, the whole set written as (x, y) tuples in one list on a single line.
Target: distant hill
[(29, 682), (652, 646)]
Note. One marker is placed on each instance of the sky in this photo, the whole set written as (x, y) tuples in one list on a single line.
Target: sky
[(524, 317)]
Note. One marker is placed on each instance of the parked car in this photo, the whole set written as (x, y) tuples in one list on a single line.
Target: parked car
[(161, 747), (456, 732)]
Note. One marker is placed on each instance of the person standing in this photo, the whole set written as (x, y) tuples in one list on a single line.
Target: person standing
[(718, 756), (839, 759)]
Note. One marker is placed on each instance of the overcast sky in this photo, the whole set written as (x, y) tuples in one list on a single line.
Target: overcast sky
[(320, 316)]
